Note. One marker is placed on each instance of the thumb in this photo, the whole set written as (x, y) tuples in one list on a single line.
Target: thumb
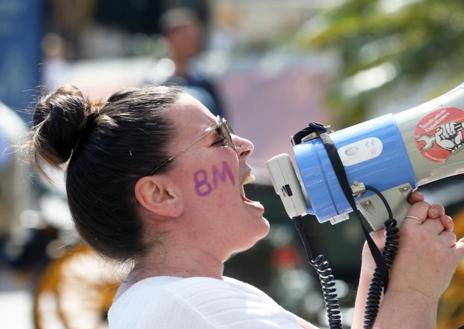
[(378, 237)]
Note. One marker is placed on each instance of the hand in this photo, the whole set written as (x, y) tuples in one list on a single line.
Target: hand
[(428, 253), (434, 212), (424, 245)]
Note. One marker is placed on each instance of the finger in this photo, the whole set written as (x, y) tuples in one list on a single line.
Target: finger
[(415, 197), (419, 211), (435, 211), (447, 222), (415, 218), (448, 238), (378, 237), (435, 227)]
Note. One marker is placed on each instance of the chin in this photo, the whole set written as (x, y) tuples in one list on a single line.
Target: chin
[(265, 228), (258, 235)]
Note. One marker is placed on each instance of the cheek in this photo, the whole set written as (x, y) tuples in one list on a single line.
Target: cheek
[(214, 180)]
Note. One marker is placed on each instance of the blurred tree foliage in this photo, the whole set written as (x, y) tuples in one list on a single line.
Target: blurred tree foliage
[(386, 44)]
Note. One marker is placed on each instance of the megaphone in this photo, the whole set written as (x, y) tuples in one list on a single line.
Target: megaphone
[(394, 153)]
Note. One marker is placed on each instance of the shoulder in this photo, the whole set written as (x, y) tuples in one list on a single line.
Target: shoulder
[(199, 303), (233, 304), (154, 301)]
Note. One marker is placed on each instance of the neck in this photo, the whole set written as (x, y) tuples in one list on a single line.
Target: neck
[(178, 259), (181, 63)]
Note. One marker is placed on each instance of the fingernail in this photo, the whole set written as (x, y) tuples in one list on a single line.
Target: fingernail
[(450, 219)]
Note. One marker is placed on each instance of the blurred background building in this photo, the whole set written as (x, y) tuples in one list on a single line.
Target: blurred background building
[(277, 66)]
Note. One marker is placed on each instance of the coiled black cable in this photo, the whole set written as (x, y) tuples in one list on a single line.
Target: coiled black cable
[(377, 285), (326, 278), (383, 260), (391, 247)]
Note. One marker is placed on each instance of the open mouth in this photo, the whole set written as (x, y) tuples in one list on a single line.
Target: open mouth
[(248, 180)]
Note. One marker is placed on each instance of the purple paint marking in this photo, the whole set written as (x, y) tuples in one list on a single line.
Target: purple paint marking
[(200, 178), (202, 186), (222, 174)]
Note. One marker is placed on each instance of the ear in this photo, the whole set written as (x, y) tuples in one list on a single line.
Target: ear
[(158, 195)]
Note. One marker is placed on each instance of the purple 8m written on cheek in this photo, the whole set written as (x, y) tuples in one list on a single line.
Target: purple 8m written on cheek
[(204, 187)]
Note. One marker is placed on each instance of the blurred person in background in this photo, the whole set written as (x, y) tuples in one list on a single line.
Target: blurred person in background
[(154, 178), (56, 67), (183, 33), (14, 187)]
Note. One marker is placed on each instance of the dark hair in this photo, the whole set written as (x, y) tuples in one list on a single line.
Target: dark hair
[(109, 147)]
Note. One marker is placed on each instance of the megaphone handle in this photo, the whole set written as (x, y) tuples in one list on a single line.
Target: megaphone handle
[(381, 272), (373, 209)]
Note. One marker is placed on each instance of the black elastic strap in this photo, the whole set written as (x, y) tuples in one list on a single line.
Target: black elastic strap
[(339, 170)]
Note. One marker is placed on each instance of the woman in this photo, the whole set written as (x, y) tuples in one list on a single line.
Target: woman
[(153, 177)]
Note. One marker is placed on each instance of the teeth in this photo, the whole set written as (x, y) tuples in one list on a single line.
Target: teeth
[(249, 179)]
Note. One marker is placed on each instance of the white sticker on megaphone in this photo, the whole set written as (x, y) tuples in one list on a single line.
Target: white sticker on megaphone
[(360, 151)]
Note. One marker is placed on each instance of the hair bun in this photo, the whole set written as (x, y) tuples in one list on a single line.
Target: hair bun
[(59, 119)]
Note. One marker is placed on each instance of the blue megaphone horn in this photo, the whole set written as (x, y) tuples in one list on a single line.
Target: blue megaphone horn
[(394, 153)]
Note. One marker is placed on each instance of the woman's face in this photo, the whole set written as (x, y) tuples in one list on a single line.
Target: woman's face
[(211, 175)]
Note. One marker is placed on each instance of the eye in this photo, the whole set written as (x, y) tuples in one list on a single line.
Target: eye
[(219, 138), (221, 141)]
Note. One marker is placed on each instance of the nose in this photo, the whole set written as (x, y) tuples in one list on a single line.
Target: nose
[(243, 147)]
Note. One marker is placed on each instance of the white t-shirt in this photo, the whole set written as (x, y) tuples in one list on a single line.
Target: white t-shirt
[(197, 303)]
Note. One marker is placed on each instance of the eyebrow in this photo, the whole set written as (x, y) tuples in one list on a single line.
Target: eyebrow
[(211, 132), (213, 135)]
